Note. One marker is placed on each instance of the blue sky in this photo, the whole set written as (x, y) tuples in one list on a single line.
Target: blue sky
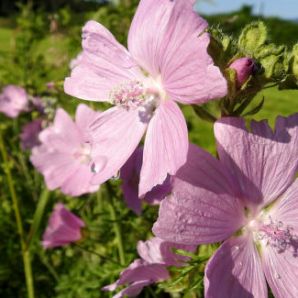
[(287, 9)]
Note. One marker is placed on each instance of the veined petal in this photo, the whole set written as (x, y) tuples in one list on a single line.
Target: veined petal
[(286, 209), (115, 133), (178, 52), (193, 215), (85, 116), (235, 271), (262, 162), (203, 170), (281, 270), (63, 135), (104, 64), (166, 146)]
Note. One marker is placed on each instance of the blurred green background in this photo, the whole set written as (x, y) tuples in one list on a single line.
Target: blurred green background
[(38, 39)]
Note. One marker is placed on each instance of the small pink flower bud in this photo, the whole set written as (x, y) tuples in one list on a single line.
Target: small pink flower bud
[(244, 67), (63, 228)]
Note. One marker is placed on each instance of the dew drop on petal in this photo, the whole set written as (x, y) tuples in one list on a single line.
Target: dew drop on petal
[(276, 275), (99, 165)]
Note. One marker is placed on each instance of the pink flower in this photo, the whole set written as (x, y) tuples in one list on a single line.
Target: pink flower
[(130, 175), (156, 255), (167, 62), (249, 200), (65, 156), (29, 134), (13, 100), (63, 228), (244, 68)]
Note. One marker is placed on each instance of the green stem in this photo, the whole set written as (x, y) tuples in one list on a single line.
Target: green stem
[(117, 227), (25, 251), (39, 212)]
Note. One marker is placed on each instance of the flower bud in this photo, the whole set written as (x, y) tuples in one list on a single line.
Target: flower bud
[(244, 68), (63, 228)]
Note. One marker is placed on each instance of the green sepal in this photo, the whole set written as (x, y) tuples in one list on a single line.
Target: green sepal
[(252, 37)]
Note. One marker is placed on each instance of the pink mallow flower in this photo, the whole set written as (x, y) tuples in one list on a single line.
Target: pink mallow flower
[(248, 199), (156, 254), (166, 63), (63, 228), (65, 156), (13, 101), (130, 176), (29, 135)]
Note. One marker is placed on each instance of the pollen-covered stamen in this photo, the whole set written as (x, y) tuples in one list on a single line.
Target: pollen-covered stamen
[(130, 94), (83, 155), (276, 234)]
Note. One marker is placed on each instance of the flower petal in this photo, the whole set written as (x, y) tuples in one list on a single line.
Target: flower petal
[(103, 65), (85, 116), (193, 215), (165, 148), (178, 52), (203, 170), (116, 133), (262, 162), (235, 271), (156, 250), (63, 135), (286, 209), (281, 270)]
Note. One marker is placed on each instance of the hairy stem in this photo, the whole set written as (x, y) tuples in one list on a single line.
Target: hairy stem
[(25, 250)]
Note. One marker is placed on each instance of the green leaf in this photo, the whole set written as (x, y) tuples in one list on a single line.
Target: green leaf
[(252, 37)]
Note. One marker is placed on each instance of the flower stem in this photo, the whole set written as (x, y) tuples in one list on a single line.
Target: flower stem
[(25, 250), (117, 227)]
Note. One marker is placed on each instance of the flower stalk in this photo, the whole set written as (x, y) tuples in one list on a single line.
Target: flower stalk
[(25, 250), (117, 228)]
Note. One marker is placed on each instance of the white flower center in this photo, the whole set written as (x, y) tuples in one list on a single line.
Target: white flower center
[(83, 154), (144, 96)]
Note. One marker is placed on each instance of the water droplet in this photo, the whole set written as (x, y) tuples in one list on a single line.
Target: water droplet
[(116, 176), (99, 165), (276, 275)]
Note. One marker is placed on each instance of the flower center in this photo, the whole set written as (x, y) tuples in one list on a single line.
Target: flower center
[(267, 231), (130, 94), (83, 155), (277, 235), (144, 96)]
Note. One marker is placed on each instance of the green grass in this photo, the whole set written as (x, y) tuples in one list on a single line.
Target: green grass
[(5, 39)]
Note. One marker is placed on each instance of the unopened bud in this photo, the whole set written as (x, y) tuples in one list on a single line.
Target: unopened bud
[(244, 68)]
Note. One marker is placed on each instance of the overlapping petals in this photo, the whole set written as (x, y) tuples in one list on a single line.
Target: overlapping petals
[(263, 162), (144, 82), (156, 255), (66, 154), (257, 216)]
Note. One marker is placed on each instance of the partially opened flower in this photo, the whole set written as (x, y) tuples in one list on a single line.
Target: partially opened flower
[(156, 255), (13, 101), (249, 200), (130, 176), (29, 135), (65, 156), (167, 63), (63, 228)]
